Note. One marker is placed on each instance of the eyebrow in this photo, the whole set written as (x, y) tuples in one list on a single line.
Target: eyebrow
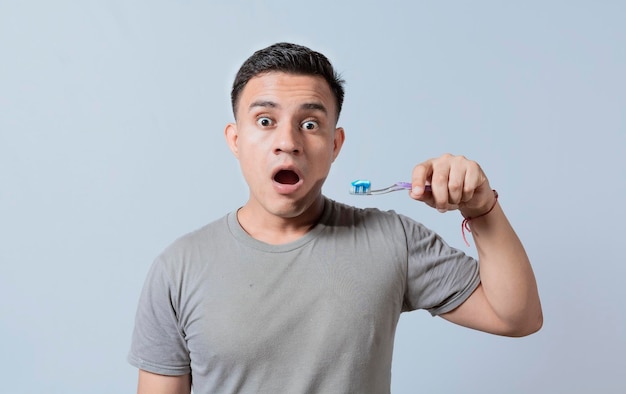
[(271, 104), (314, 106), (262, 103)]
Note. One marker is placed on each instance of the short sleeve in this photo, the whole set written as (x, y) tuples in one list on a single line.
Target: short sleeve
[(439, 277), (158, 344)]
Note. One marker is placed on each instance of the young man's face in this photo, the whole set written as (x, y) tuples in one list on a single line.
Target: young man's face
[(286, 139)]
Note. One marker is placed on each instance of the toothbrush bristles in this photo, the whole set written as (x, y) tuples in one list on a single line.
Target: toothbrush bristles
[(361, 187)]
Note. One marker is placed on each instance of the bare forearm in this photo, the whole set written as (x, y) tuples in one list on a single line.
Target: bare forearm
[(507, 277)]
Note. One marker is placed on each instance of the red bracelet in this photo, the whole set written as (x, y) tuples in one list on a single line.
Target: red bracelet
[(465, 223)]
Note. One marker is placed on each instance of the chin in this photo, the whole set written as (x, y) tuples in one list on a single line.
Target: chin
[(291, 208)]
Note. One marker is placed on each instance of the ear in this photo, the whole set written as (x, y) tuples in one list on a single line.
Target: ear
[(340, 136), (230, 132)]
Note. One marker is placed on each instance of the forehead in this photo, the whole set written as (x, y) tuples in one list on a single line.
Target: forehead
[(286, 89)]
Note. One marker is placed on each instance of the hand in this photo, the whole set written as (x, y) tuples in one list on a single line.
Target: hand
[(456, 183)]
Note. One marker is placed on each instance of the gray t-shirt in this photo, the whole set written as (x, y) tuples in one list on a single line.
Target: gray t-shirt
[(317, 315)]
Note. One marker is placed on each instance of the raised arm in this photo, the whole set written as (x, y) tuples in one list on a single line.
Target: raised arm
[(507, 301), (150, 383)]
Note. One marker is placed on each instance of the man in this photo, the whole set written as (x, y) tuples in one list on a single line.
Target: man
[(297, 293)]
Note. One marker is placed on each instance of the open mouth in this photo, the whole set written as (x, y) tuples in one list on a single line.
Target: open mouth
[(286, 177)]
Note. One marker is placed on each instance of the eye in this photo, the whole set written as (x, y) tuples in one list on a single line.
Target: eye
[(264, 121), (310, 125)]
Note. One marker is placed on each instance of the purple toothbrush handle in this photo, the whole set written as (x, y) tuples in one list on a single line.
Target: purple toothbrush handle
[(407, 185)]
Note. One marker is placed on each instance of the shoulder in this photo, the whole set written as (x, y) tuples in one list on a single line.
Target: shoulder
[(208, 233), (344, 214), (194, 246)]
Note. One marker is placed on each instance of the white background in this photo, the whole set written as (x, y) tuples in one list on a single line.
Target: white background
[(111, 146)]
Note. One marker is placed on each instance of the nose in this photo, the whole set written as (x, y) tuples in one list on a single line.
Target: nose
[(288, 140)]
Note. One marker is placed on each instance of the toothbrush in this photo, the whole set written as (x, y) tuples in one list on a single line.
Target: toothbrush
[(364, 188)]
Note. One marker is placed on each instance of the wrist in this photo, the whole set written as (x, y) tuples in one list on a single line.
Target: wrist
[(484, 209), (466, 221)]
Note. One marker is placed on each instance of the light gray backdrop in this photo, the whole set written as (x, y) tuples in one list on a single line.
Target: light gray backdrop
[(111, 146)]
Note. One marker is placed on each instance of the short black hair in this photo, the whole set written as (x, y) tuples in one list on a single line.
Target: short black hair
[(288, 58)]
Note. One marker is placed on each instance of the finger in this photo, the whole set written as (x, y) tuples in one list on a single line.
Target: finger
[(439, 182), (457, 179), (474, 177), (420, 177)]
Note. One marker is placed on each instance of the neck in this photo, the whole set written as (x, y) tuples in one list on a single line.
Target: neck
[(275, 229)]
